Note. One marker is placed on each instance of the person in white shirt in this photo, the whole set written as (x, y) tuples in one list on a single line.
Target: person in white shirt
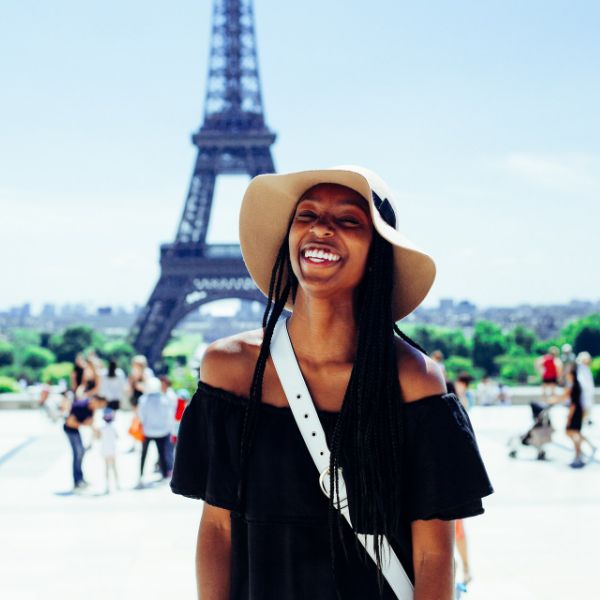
[(108, 446), (157, 413), (113, 385), (169, 392), (586, 380), (487, 392)]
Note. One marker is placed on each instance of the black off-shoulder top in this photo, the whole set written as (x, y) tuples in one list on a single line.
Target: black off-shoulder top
[(280, 537)]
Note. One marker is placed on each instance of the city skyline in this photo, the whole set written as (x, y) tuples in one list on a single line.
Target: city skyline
[(482, 119), (73, 306)]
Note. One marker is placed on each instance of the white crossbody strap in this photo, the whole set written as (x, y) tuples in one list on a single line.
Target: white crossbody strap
[(310, 427)]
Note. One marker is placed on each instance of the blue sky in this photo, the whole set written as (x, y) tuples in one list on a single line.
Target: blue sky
[(482, 115)]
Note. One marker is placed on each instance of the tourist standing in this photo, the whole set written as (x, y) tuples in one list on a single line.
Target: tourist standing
[(108, 446), (81, 414), (567, 359), (504, 396), (77, 372), (463, 391), (549, 367), (183, 399), (573, 392), (487, 391), (114, 383), (91, 378), (169, 392), (156, 412), (586, 380), (138, 377)]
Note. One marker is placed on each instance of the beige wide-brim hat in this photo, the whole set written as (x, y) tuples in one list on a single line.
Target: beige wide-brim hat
[(267, 208)]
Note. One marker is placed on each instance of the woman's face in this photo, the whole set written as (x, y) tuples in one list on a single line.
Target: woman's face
[(329, 240)]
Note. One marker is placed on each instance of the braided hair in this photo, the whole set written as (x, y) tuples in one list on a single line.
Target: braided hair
[(368, 436)]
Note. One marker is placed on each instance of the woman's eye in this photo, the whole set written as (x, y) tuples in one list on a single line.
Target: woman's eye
[(306, 214), (349, 220)]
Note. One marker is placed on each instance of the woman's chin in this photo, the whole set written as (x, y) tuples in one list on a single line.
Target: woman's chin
[(323, 288)]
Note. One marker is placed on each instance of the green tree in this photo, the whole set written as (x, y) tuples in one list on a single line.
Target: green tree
[(588, 339), (451, 342), (23, 339), (8, 384), (488, 343), (37, 357), (52, 374), (456, 365), (523, 337), (583, 334), (20, 371), (119, 350), (72, 340), (7, 353), (517, 366), (183, 377), (542, 346), (595, 368)]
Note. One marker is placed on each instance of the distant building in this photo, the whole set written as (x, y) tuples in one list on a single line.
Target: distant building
[(446, 304), (48, 311)]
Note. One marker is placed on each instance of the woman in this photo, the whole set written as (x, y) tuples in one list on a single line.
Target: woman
[(81, 414), (91, 378), (138, 377), (573, 392), (325, 244), (77, 372)]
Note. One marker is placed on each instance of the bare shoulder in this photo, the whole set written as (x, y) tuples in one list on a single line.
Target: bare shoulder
[(419, 375), (229, 363)]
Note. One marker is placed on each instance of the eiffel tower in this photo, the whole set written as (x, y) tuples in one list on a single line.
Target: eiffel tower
[(233, 139)]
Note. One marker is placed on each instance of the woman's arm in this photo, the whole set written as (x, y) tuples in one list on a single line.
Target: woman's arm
[(433, 559), (72, 422), (213, 554)]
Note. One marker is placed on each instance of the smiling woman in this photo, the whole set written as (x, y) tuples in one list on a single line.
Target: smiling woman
[(331, 223), (395, 455)]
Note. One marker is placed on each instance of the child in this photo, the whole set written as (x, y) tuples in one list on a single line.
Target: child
[(108, 446)]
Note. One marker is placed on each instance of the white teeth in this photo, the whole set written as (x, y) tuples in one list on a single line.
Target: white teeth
[(320, 255)]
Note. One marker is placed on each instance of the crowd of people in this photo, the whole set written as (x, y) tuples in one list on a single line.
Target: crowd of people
[(561, 368), (560, 371), (97, 392)]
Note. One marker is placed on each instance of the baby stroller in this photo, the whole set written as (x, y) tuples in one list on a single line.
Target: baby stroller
[(538, 435)]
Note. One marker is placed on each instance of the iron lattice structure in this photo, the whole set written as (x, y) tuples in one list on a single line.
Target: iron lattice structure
[(233, 139)]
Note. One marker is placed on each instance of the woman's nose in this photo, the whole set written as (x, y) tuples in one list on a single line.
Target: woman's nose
[(322, 228)]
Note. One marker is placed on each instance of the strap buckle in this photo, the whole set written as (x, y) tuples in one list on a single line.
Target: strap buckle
[(341, 500)]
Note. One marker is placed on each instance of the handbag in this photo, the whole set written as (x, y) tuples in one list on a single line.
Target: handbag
[(136, 431), (305, 415)]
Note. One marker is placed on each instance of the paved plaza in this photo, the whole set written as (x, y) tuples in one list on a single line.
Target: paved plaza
[(537, 541)]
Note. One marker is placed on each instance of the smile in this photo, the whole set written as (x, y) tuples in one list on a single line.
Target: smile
[(319, 256)]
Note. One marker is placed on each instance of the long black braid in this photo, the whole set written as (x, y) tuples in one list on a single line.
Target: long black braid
[(368, 437), (283, 283)]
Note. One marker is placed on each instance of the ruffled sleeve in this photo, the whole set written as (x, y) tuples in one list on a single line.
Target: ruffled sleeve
[(443, 465), (207, 452)]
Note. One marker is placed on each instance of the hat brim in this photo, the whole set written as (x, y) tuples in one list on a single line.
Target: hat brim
[(267, 208)]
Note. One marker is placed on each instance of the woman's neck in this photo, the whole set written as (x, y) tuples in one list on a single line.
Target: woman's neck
[(323, 330)]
